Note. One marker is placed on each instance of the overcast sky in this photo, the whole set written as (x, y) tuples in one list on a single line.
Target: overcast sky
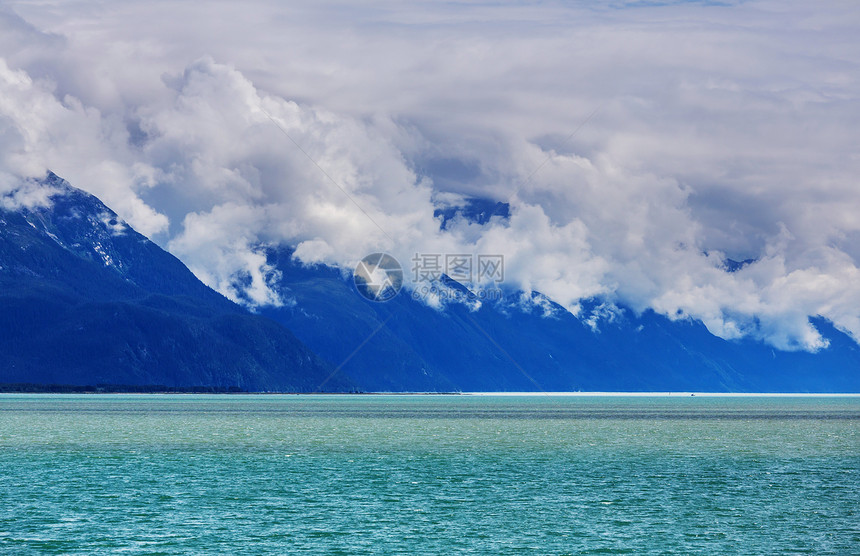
[(640, 144)]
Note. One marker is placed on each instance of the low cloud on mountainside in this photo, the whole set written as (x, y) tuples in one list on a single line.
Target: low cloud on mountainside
[(705, 132)]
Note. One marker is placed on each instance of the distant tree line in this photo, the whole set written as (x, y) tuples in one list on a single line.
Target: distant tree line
[(30, 388)]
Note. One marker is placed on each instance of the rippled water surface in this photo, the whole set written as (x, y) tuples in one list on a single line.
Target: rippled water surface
[(149, 474)]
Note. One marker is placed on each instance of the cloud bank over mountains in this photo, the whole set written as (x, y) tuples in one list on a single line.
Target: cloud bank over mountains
[(640, 146)]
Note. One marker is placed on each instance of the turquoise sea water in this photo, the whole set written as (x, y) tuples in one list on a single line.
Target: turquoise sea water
[(174, 474)]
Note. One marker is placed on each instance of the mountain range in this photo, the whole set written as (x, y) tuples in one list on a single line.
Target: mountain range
[(533, 344), (87, 300)]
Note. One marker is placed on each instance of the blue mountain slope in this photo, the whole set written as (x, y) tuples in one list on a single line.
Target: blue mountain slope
[(405, 345), (84, 299), (474, 210)]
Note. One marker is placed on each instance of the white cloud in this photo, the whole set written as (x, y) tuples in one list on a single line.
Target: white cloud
[(720, 132), (41, 132)]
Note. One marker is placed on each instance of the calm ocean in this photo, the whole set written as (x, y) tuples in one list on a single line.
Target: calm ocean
[(248, 474)]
